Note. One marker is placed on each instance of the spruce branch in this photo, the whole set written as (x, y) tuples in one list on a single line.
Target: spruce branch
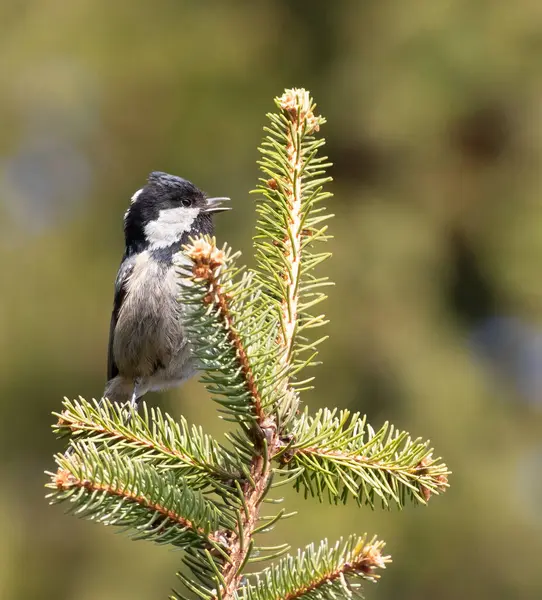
[(116, 490), (320, 573), (291, 222), (340, 455), (236, 366), (156, 438), (230, 331)]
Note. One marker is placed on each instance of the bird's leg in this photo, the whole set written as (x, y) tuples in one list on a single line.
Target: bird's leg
[(127, 417), (133, 399), (132, 405)]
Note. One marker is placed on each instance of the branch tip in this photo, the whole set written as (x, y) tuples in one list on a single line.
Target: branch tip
[(207, 258), (441, 480), (370, 559), (297, 104), (63, 479)]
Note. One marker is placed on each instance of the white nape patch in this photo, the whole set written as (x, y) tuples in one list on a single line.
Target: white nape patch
[(132, 200), (136, 196), (170, 226)]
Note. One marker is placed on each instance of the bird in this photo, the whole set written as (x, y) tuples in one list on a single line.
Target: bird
[(148, 348)]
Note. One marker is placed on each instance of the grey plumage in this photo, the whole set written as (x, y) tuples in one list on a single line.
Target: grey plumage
[(148, 349), (148, 344)]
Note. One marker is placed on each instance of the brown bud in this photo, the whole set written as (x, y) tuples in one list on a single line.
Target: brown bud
[(199, 251), (288, 103), (313, 122), (371, 559), (442, 482), (62, 422), (421, 469), (64, 479), (201, 271), (426, 493), (217, 258)]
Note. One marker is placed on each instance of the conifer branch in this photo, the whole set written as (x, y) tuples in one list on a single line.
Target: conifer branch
[(210, 277), (152, 436), (116, 490), (232, 363), (326, 572), (342, 455), (232, 335), (299, 115), (242, 539), (290, 223)]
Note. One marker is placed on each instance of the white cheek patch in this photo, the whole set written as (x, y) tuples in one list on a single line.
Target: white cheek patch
[(170, 226)]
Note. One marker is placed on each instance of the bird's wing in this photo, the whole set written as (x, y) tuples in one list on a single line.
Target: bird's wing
[(125, 270)]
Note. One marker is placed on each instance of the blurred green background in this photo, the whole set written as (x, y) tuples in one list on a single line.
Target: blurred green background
[(435, 128)]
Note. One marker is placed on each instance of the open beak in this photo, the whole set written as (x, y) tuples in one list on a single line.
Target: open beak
[(215, 205)]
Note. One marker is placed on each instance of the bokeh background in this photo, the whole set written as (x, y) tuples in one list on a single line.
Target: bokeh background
[(434, 112)]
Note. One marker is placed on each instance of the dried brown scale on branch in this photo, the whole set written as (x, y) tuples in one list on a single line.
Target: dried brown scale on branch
[(64, 480)]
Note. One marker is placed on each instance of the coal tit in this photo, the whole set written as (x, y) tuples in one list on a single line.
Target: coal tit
[(148, 349)]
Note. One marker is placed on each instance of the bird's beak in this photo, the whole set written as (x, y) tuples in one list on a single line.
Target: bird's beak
[(215, 205)]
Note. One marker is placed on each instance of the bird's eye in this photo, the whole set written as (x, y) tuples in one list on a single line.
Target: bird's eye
[(186, 202)]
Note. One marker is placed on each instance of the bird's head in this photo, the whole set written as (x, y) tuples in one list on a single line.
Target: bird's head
[(167, 211)]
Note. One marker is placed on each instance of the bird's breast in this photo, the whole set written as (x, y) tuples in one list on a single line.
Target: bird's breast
[(148, 331)]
